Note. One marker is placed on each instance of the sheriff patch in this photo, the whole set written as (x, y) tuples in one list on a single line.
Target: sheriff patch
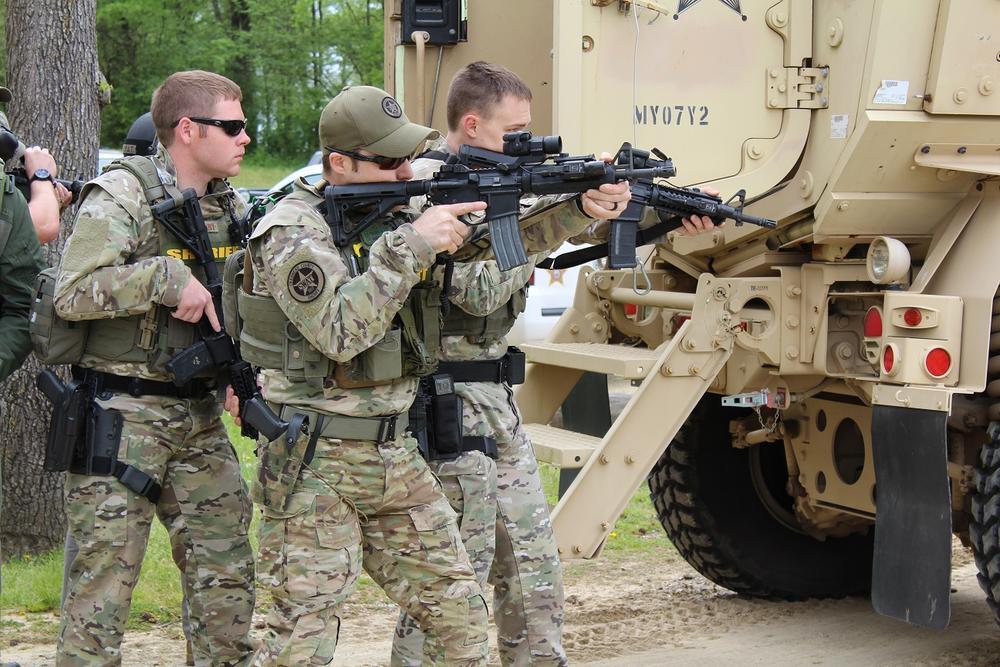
[(391, 107), (305, 282)]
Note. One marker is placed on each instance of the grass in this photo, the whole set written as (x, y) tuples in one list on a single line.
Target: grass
[(263, 172), (637, 530), (31, 586)]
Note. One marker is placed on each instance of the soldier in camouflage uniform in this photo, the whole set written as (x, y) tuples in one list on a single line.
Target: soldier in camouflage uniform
[(359, 494), (139, 289), (484, 102)]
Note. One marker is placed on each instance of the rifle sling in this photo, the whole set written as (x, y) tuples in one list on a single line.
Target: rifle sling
[(599, 251)]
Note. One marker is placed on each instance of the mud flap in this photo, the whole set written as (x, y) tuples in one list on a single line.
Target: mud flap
[(911, 574)]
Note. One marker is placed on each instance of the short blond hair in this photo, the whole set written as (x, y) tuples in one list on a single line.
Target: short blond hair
[(190, 93)]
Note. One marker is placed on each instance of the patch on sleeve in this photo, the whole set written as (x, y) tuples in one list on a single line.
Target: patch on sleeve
[(306, 282)]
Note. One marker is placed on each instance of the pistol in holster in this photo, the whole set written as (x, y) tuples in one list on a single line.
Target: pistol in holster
[(84, 438), (436, 418)]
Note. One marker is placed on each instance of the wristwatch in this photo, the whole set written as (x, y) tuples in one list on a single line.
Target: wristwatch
[(42, 175)]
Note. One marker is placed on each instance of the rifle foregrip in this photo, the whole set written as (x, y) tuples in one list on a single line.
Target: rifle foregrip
[(505, 236), (621, 244)]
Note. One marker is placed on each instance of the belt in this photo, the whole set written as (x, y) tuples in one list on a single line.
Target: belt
[(342, 427), (508, 369), (121, 384), (480, 443)]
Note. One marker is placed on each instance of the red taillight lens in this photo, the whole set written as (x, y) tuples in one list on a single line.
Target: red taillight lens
[(531, 278), (888, 358), (873, 322), (912, 317), (631, 309), (938, 362)]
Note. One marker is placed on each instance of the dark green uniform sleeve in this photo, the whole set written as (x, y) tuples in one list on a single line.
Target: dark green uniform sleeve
[(20, 263)]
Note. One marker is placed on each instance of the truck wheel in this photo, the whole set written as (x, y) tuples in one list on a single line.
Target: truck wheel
[(984, 529), (727, 513)]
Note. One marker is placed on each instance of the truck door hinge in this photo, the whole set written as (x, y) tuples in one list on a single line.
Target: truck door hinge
[(798, 87)]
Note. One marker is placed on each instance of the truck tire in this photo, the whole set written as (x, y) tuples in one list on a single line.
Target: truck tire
[(706, 499), (984, 529)]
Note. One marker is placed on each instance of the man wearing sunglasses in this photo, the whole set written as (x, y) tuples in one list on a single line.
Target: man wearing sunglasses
[(141, 293), (342, 334)]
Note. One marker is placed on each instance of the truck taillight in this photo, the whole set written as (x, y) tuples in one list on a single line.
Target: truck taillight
[(631, 310), (889, 360), (531, 279), (913, 317), (937, 363), (873, 322)]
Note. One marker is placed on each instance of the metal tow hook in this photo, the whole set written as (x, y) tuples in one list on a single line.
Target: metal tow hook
[(640, 269)]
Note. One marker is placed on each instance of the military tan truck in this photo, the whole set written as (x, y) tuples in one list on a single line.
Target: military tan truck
[(816, 404)]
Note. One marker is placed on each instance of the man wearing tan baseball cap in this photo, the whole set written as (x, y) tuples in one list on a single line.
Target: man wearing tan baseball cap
[(357, 326)]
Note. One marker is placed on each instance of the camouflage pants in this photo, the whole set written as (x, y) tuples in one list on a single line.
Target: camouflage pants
[(361, 504), (526, 574), (206, 509), (469, 482)]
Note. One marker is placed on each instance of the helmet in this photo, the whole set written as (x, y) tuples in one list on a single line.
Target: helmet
[(141, 138)]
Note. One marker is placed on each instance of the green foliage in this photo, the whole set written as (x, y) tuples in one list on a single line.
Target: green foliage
[(289, 57)]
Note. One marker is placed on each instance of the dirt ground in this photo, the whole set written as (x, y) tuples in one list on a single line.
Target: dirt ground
[(653, 609), (656, 612)]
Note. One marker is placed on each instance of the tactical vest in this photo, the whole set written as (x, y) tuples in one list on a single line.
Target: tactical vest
[(480, 329), (269, 340), (150, 339)]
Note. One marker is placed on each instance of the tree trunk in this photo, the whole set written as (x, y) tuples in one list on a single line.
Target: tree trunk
[(53, 72)]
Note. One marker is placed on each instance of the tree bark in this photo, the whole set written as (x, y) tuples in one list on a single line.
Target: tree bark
[(51, 49)]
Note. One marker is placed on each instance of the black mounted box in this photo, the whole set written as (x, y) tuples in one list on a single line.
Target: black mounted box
[(443, 20)]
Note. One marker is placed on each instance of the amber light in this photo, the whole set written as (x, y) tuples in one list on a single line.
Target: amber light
[(888, 359), (873, 322), (937, 362), (913, 317)]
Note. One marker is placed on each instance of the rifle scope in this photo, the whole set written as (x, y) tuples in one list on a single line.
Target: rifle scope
[(523, 143)]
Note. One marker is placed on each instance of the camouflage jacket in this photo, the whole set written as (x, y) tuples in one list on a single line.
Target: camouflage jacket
[(20, 262), (112, 266), (346, 314)]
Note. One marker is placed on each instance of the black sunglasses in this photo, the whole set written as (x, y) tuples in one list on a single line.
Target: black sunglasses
[(230, 127), (384, 163)]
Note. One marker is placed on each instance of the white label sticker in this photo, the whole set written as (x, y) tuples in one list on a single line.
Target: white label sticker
[(838, 126), (892, 92)]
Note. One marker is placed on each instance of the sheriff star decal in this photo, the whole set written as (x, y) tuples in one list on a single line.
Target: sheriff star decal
[(684, 5), (305, 282)]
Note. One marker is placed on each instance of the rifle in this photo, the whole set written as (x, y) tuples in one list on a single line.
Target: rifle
[(528, 165), (215, 349), (9, 145), (668, 201)]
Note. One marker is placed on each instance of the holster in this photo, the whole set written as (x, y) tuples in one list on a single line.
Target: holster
[(436, 418), (280, 463), (84, 437), (67, 426)]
